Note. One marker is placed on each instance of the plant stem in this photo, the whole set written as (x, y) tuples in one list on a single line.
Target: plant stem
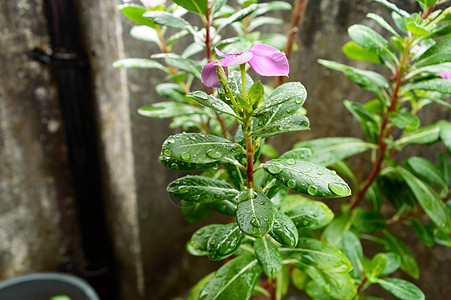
[(243, 80), (250, 160), (207, 34), (296, 19), (384, 132)]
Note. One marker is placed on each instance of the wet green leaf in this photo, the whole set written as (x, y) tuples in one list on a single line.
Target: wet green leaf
[(255, 213), (268, 256), (320, 255), (139, 63), (439, 53), (284, 230), (354, 51), (408, 262), (199, 240), (306, 213), (423, 135), (350, 245), (308, 178), (441, 85), (224, 241), (196, 6), (427, 171), (213, 103), (371, 40), (283, 282), (289, 124), (293, 92), (195, 291), (336, 285), (299, 153), (404, 120), (234, 280), (195, 212)]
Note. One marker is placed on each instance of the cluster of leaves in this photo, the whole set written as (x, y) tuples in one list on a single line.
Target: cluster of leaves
[(291, 237)]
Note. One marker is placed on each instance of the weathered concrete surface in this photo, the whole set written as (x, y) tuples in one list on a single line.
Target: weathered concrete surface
[(34, 181)]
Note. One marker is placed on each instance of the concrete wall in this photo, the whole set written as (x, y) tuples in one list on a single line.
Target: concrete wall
[(149, 233)]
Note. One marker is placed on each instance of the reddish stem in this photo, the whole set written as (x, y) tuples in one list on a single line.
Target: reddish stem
[(296, 19), (364, 281), (250, 161), (207, 34)]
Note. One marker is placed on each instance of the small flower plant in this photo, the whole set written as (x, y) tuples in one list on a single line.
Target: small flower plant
[(275, 236)]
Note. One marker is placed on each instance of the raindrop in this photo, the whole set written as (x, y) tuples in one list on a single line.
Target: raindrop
[(174, 166), (214, 154), (171, 140), (167, 152), (218, 195), (183, 190), (333, 172), (200, 232), (339, 189), (305, 223), (273, 169), (291, 183), (320, 172), (291, 161), (212, 242), (185, 156), (312, 190), (298, 101)]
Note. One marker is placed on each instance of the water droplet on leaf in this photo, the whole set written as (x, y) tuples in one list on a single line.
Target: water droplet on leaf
[(312, 190), (185, 156), (339, 189), (291, 161), (214, 154), (273, 169), (320, 172), (167, 152), (254, 222), (291, 183)]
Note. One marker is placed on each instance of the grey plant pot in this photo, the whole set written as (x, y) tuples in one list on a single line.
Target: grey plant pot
[(43, 286)]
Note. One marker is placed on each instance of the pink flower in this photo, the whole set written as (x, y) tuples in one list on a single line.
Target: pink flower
[(264, 59), (446, 75), (149, 3)]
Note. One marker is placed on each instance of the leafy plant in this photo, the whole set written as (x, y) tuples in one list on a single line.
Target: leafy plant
[(274, 237)]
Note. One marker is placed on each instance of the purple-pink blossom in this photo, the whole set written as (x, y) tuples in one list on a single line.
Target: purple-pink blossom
[(445, 75), (150, 3), (264, 59)]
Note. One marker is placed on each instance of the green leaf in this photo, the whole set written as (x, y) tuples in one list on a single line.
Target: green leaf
[(199, 240), (195, 212), (237, 16), (408, 262), (269, 151), (337, 285), (354, 51), (197, 289), (320, 255), (404, 120), (263, 8), (299, 153), (425, 232), (444, 163), (299, 278), (178, 165), (224, 242), (171, 91), (445, 133), (306, 213), (256, 93), (308, 178), (201, 189), (139, 63), (333, 234), (393, 263), (213, 103), (368, 80), (235, 84), (376, 267), (284, 230), (199, 148), (289, 124), (402, 289), (371, 40), (393, 7), (352, 248), (255, 213), (168, 109), (439, 53), (176, 36), (268, 256), (429, 200), (327, 151), (292, 92), (135, 13), (368, 121), (382, 23), (275, 40), (197, 6), (369, 221), (423, 135), (233, 280), (316, 292), (181, 63), (226, 207), (257, 22), (427, 171), (416, 29), (283, 282), (167, 19), (441, 85), (145, 33)]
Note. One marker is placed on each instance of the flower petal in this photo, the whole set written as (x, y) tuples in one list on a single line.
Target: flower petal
[(269, 61), (219, 53), (236, 59), (209, 75)]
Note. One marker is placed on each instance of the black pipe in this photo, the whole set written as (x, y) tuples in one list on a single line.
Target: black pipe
[(72, 73)]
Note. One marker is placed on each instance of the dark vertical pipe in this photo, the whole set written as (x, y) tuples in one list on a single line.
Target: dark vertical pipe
[(72, 74)]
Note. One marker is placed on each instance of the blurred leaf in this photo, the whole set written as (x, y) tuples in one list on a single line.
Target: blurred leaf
[(402, 289), (306, 213), (145, 33), (139, 63), (135, 13), (393, 263), (376, 266), (437, 54), (263, 8), (195, 212), (354, 51), (427, 171), (171, 91), (275, 40), (404, 120), (168, 109), (444, 163), (288, 124), (423, 135), (181, 63), (352, 248), (308, 178), (368, 80), (384, 24), (371, 40), (255, 213), (424, 232), (393, 7), (237, 16), (432, 204), (408, 262), (196, 6), (268, 256), (316, 292), (283, 282), (441, 85), (337, 285), (333, 234), (233, 280), (257, 22), (445, 133), (327, 151), (195, 291), (270, 151), (369, 221), (167, 19), (416, 29)]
